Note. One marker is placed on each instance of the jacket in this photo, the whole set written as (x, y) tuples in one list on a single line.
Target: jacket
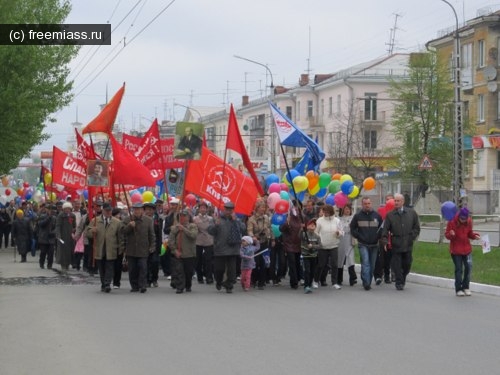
[(313, 239), (404, 228), (460, 242), (327, 228), (186, 240), (109, 239), (46, 229), (203, 222), (259, 226), (366, 227), (221, 232), (290, 234), (139, 241)]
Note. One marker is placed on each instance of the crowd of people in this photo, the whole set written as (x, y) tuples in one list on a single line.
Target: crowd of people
[(315, 244)]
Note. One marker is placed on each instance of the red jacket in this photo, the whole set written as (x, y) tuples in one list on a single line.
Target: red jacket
[(460, 242)]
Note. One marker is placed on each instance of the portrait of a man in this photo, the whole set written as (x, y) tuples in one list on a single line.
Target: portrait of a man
[(97, 173), (188, 141)]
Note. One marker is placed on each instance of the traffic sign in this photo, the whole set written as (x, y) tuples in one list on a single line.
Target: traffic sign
[(425, 163)]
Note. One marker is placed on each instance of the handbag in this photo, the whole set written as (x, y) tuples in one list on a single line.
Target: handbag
[(124, 264), (79, 247)]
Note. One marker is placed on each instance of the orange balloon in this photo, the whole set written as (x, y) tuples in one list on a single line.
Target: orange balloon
[(336, 176), (20, 192), (310, 174), (313, 182), (369, 183)]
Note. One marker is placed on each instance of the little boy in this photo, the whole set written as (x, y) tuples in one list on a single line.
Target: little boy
[(310, 243)]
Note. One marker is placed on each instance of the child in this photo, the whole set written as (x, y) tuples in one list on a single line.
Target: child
[(247, 251), (310, 243)]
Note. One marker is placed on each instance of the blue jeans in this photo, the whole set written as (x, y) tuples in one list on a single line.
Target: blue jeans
[(463, 265), (368, 255)]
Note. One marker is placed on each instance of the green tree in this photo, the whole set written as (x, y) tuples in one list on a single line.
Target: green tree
[(423, 120), (33, 80)]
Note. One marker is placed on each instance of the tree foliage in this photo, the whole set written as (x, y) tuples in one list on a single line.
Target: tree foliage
[(423, 120), (33, 80)]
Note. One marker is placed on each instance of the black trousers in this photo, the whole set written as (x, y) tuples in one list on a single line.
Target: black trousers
[(46, 251), (153, 267), (309, 269), (383, 264), (225, 264), (278, 263), (165, 264), (260, 274), (117, 272), (106, 271), (204, 263), (137, 271), (293, 261), (4, 234), (182, 272), (401, 265), (327, 258)]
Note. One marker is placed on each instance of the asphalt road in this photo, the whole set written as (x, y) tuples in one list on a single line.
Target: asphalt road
[(75, 329)]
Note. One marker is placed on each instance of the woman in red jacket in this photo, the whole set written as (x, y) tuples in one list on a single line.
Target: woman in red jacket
[(459, 232)]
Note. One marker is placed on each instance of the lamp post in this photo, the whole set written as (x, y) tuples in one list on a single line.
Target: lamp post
[(271, 127), (458, 183)]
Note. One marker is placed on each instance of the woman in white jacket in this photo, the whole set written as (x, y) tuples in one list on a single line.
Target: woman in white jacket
[(346, 246), (328, 228)]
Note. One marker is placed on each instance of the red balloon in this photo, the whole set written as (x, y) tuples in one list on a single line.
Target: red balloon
[(190, 200), (389, 205), (7, 192), (282, 207), (382, 212), (284, 187), (26, 184)]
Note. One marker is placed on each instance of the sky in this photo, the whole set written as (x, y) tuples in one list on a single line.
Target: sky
[(180, 53)]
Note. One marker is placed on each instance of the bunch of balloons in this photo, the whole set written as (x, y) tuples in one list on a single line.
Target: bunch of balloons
[(279, 201)]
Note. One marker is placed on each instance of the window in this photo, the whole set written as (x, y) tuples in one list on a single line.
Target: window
[(310, 109), (370, 139), (370, 106), (480, 108), (481, 52), (257, 151), (479, 163), (298, 110), (452, 68), (339, 105), (322, 107), (466, 62), (330, 106), (288, 111)]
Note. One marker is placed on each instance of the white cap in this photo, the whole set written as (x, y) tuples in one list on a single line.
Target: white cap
[(174, 200), (247, 239), (67, 205)]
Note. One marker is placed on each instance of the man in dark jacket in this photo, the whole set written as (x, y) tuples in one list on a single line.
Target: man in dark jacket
[(365, 227), (404, 227), (46, 234), (227, 232)]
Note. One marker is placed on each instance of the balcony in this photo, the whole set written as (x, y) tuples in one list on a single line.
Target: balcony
[(378, 120)]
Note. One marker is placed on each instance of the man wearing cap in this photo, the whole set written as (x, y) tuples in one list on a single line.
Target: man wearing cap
[(154, 257), (65, 230), (140, 242), (227, 232), (404, 227), (204, 245), (46, 234), (106, 231), (182, 246)]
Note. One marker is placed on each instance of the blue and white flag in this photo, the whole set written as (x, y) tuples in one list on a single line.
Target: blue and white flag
[(291, 135), (306, 163)]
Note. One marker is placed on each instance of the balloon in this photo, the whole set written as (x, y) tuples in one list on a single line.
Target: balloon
[(284, 195), (354, 193), (336, 176), (271, 178), (28, 196), (324, 180), (278, 219), (7, 192), (272, 199), (52, 196), (163, 249), (284, 187), (310, 174), (276, 230), (322, 192), (448, 210), (136, 198), (26, 185), (340, 199), (334, 186), (5, 181), (345, 177), (347, 187), (313, 182), (274, 188), (299, 196), (190, 200), (300, 183), (314, 190), (86, 194), (47, 178), (382, 212), (389, 205), (369, 183), (330, 199), (288, 178), (282, 206), (20, 192), (147, 196)]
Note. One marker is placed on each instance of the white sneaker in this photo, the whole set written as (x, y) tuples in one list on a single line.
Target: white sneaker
[(337, 286), (301, 282), (460, 293), (116, 287), (315, 285), (467, 292), (169, 277)]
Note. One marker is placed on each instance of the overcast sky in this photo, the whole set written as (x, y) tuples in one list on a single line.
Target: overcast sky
[(186, 54)]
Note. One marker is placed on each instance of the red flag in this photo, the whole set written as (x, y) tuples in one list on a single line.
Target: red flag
[(67, 171), (209, 178), (104, 121), (127, 169), (235, 142), (131, 143), (150, 149), (83, 150)]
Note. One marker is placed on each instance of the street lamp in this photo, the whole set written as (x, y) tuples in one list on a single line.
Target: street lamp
[(191, 109), (458, 141), (271, 126)]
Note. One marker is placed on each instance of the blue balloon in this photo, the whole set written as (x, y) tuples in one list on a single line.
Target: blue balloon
[(271, 178), (322, 192), (86, 194), (28, 196), (347, 187), (330, 199), (448, 210), (278, 219), (290, 176)]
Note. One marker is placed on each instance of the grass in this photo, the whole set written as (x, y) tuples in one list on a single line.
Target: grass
[(434, 260)]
